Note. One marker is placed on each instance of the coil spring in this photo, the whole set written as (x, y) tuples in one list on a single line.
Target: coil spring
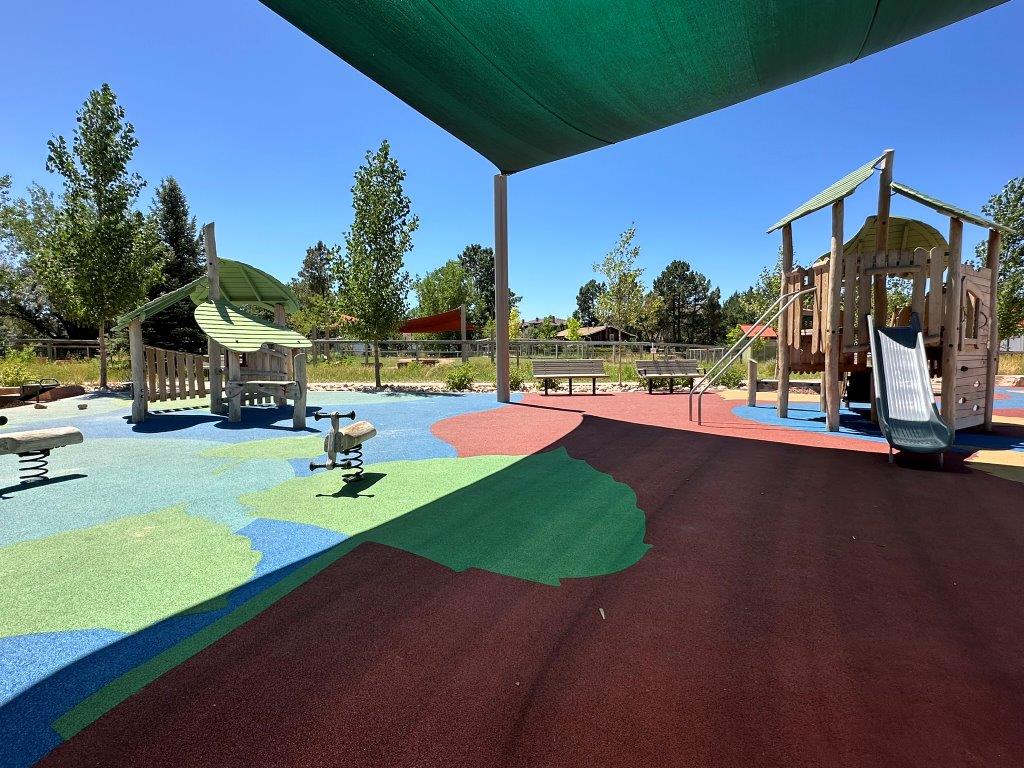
[(354, 461), (33, 466)]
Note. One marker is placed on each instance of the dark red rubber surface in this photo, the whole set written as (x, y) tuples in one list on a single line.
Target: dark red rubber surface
[(801, 606)]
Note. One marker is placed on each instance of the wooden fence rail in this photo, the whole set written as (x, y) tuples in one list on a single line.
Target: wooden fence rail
[(174, 375)]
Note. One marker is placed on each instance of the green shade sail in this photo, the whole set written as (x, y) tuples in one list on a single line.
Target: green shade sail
[(240, 283), (947, 209), (237, 330), (837, 191), (526, 82)]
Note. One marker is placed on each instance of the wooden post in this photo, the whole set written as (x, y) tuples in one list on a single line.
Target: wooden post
[(783, 347), (299, 413), (138, 357), (992, 262), (751, 382), (235, 374), (833, 343), (881, 310), (281, 319), (213, 349), (462, 329), (501, 285), (951, 323)]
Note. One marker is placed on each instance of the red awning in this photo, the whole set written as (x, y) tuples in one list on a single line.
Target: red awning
[(446, 321)]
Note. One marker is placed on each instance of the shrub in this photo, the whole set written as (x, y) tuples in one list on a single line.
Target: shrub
[(459, 377), (16, 367), (733, 376), (516, 377)]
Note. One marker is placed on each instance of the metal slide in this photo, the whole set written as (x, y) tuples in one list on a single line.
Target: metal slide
[(903, 391)]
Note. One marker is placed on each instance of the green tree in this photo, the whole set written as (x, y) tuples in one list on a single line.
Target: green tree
[(371, 274), (686, 298), (1007, 208), (478, 262), (586, 302), (621, 303), (547, 328), (315, 288), (649, 320), (27, 229), (105, 254), (572, 329), (176, 327), (445, 288)]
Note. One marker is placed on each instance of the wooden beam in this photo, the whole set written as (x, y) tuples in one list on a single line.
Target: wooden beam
[(299, 412), (784, 330), (992, 262), (213, 349), (137, 351), (881, 309), (501, 285), (462, 333), (951, 323), (285, 363), (833, 343)]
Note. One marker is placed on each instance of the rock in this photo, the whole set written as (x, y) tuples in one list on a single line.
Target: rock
[(58, 393)]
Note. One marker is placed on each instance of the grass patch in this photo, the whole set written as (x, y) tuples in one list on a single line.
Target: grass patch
[(1011, 363)]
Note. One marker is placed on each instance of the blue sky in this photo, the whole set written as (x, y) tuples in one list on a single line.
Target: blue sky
[(263, 128)]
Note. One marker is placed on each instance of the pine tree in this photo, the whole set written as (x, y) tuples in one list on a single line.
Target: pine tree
[(176, 327)]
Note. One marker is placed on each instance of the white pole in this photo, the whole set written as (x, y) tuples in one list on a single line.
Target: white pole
[(501, 285)]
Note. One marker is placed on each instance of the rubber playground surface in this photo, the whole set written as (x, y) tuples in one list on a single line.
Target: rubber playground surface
[(565, 580)]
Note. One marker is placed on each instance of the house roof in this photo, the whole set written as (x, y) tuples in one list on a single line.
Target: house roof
[(751, 329), (591, 330), (527, 82)]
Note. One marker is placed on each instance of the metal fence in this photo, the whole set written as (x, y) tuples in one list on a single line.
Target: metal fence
[(58, 349), (520, 349)]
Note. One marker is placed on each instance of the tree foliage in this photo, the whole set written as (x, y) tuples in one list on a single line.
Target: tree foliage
[(106, 254), (478, 262), (176, 327), (547, 328), (1007, 208), (373, 281), (316, 290), (692, 310), (586, 302), (572, 329), (622, 302)]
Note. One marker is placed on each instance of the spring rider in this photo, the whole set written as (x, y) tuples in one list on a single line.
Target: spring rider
[(347, 442)]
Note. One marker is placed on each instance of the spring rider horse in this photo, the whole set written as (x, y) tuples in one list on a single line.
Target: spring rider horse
[(348, 442)]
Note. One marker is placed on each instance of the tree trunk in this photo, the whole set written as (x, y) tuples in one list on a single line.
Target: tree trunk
[(376, 364), (103, 355)]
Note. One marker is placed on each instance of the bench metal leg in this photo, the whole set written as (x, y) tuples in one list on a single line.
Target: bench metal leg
[(650, 386), (570, 386), (671, 385), (545, 386), (593, 386)]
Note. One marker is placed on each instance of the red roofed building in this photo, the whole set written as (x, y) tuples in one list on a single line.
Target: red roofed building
[(751, 329)]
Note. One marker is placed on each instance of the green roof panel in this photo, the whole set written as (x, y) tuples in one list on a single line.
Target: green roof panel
[(526, 82), (947, 209), (837, 191), (234, 328), (242, 283), (158, 304), (904, 235)]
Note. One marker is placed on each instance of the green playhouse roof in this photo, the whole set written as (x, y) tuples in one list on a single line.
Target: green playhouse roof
[(240, 283), (904, 235), (526, 82), (237, 330)]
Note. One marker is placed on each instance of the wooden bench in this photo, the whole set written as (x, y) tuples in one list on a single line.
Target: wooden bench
[(32, 448), (654, 370), (569, 369)]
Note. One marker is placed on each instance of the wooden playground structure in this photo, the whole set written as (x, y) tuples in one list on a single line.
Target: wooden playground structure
[(249, 360), (826, 331)]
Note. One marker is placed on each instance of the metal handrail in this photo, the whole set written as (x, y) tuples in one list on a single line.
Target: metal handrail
[(735, 352)]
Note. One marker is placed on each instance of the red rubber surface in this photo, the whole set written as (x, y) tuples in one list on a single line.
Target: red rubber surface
[(801, 606)]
